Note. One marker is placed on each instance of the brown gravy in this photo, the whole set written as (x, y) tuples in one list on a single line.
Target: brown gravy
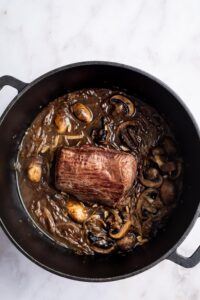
[(112, 120)]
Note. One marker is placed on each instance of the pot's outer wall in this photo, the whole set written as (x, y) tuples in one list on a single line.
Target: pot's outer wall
[(20, 115)]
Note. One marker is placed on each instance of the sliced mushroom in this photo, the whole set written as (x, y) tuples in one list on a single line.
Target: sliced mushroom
[(122, 105), (103, 250), (62, 122), (125, 138), (77, 211), (130, 135), (35, 170), (169, 146), (123, 231), (82, 112), (173, 169), (148, 200), (159, 156), (168, 191), (126, 124), (152, 178), (151, 195), (134, 136), (96, 233), (127, 242)]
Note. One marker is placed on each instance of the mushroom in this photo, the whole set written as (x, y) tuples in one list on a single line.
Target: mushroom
[(35, 170), (125, 138), (123, 231), (96, 238), (129, 132), (77, 211), (169, 146), (62, 122), (134, 136), (158, 156), (124, 134), (152, 178), (96, 233), (173, 169), (148, 200), (167, 191), (82, 112), (127, 242), (126, 124), (122, 105), (151, 195), (103, 250)]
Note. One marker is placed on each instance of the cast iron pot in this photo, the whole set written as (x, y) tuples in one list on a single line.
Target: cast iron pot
[(20, 228)]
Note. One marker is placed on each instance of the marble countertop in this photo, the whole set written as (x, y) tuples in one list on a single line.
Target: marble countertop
[(161, 37)]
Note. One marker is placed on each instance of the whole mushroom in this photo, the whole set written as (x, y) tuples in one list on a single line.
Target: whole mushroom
[(35, 170), (82, 112), (62, 122), (77, 211)]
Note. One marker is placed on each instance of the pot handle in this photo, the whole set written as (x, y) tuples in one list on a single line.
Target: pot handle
[(12, 81), (186, 262)]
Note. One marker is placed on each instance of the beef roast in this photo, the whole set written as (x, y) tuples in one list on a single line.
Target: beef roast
[(95, 174)]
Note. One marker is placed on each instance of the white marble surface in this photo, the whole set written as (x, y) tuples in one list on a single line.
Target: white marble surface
[(160, 37)]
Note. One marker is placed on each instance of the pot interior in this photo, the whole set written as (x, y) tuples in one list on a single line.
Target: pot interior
[(19, 116)]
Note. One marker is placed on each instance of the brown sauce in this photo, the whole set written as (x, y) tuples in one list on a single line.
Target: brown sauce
[(112, 120)]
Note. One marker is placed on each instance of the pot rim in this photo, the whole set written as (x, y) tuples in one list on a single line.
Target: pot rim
[(149, 76)]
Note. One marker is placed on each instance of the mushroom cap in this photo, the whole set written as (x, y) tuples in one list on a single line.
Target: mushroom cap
[(82, 112), (152, 178)]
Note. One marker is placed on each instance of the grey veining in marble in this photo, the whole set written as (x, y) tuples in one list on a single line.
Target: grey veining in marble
[(161, 37)]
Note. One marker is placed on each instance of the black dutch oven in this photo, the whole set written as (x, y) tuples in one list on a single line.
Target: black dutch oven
[(13, 217)]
